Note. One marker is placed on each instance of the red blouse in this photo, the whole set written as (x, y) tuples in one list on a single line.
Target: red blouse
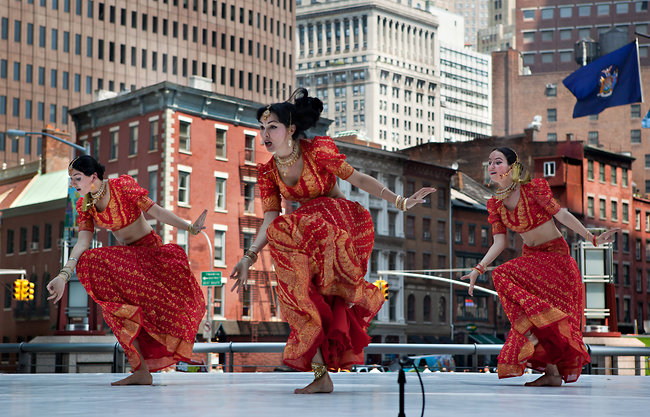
[(127, 202), (322, 163), (535, 207)]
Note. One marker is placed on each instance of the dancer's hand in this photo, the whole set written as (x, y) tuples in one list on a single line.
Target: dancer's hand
[(240, 273), (56, 287), (472, 280), (418, 197), (607, 237), (197, 226)]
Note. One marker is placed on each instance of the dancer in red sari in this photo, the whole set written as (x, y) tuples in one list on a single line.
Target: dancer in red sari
[(321, 250), (146, 290), (541, 291)]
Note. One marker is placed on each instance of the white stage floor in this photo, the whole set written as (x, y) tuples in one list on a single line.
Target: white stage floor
[(270, 395)]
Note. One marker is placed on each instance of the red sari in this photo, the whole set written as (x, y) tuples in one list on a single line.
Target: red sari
[(146, 290), (541, 291), (320, 254)]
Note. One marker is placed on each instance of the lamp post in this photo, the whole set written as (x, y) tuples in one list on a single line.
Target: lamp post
[(21, 133)]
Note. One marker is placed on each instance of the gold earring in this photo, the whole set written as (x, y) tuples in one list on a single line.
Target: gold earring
[(290, 142), (92, 186)]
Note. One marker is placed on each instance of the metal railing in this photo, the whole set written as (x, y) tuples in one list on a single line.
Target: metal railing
[(26, 350)]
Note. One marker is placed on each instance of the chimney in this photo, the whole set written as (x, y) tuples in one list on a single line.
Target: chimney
[(55, 155)]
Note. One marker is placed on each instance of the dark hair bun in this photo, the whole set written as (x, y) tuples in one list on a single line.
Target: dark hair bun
[(308, 109)]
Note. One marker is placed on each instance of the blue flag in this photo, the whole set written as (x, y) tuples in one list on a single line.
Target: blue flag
[(611, 80)]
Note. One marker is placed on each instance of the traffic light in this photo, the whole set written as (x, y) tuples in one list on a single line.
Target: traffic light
[(27, 291), (383, 287), (18, 285), (23, 290)]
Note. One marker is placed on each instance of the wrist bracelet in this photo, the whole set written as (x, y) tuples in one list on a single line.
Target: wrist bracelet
[(73, 259), (251, 255), (382, 192), (65, 275), (479, 268)]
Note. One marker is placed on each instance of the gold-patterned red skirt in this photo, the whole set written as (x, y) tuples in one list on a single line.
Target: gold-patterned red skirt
[(321, 253), (541, 291), (147, 292)]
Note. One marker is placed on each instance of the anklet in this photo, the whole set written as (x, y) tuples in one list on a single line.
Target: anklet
[(319, 370)]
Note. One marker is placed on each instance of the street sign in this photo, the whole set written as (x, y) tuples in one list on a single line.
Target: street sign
[(471, 327), (209, 278)]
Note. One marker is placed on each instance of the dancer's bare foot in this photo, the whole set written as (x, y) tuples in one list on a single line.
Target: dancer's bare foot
[(546, 380), (551, 378), (322, 385), (139, 377)]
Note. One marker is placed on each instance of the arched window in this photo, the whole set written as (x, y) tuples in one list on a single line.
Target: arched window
[(426, 308), (410, 308), (442, 311)]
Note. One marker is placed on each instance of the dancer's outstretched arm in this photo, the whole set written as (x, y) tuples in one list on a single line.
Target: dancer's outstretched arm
[(56, 287), (373, 187), (495, 250)]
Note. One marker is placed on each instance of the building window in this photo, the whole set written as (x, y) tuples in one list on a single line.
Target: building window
[(10, 241), (614, 210), (182, 239), (624, 177), (590, 206), (220, 194), (592, 138), (458, 233), (426, 308), (529, 14), (220, 142), (219, 247), (551, 115), (635, 111), (249, 148), (485, 232), (635, 136), (590, 170), (625, 208), (410, 308), (602, 208), (114, 143), (184, 136), (547, 13), (153, 185), (249, 197), (626, 242), (426, 229), (183, 187), (471, 234), (410, 227), (153, 135), (549, 169), (441, 231), (133, 140), (551, 137)]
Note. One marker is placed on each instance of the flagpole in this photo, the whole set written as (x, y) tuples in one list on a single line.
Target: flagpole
[(638, 63)]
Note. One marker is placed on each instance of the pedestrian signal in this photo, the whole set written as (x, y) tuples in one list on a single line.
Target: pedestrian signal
[(383, 287)]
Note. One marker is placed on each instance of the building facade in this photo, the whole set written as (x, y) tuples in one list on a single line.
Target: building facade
[(547, 31), (54, 55), (500, 32), (374, 65)]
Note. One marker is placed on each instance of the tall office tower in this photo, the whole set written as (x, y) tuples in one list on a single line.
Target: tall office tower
[(500, 33), (548, 30), (56, 54), (374, 63)]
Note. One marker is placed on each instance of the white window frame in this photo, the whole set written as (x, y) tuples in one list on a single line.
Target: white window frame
[(220, 176), (217, 128), (186, 170), (549, 168), (188, 148), (221, 262)]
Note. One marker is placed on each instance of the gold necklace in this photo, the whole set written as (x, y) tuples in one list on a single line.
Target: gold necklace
[(503, 194), (95, 197), (284, 163)]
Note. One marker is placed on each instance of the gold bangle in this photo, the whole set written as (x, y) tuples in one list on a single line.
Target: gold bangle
[(252, 255), (404, 204), (382, 192), (398, 201), (67, 276)]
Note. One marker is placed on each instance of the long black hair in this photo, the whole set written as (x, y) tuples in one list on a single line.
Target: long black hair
[(518, 168), (87, 165), (304, 112)]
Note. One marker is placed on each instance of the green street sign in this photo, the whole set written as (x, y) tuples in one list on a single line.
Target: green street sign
[(471, 327), (210, 278)]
